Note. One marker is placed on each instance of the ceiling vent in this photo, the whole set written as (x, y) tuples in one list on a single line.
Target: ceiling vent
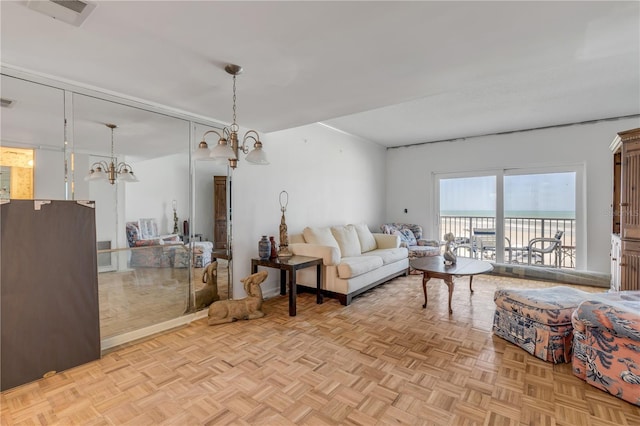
[(72, 12), (6, 103)]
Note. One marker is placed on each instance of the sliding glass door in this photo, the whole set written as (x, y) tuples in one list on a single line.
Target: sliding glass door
[(513, 216)]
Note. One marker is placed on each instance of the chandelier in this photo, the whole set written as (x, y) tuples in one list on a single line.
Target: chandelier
[(111, 171), (228, 146)]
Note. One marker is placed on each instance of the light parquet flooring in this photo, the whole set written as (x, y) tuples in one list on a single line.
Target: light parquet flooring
[(382, 360)]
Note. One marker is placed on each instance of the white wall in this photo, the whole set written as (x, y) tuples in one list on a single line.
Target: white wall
[(410, 180), (331, 178), (162, 180)]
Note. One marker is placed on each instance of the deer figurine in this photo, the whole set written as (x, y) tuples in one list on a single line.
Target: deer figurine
[(209, 293), (224, 311)]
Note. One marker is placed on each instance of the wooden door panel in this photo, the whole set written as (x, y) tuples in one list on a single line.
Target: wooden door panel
[(630, 265)]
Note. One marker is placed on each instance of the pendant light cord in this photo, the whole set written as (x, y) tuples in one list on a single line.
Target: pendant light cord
[(234, 125)]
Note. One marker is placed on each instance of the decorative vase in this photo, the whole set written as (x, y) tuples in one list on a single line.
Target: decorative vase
[(264, 248), (274, 248)]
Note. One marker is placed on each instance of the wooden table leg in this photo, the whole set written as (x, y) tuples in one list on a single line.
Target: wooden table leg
[(292, 293), (470, 282), (449, 282), (283, 282), (425, 278), (318, 284)]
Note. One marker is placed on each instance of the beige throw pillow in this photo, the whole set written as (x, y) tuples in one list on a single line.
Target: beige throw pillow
[(321, 236), (347, 239), (367, 240)]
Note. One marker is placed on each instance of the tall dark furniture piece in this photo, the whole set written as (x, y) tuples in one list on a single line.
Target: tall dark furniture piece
[(220, 212), (625, 239), (49, 320)]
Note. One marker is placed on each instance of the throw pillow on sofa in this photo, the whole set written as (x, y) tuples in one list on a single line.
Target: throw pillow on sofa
[(320, 236), (367, 240), (347, 239)]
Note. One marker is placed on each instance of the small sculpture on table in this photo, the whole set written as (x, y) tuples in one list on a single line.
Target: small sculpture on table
[(284, 252), (175, 217), (449, 255)]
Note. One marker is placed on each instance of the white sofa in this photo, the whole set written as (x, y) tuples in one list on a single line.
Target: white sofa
[(354, 259)]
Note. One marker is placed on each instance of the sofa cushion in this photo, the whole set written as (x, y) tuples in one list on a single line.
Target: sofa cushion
[(145, 243), (367, 241), (347, 239), (353, 266), (423, 251), (390, 255), (320, 236)]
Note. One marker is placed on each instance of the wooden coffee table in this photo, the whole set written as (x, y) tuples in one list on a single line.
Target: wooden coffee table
[(434, 267)]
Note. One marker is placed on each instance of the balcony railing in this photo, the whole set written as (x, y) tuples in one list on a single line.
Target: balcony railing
[(519, 231)]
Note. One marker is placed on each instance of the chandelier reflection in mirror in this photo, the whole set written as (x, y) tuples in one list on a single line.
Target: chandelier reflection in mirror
[(111, 171), (228, 146)]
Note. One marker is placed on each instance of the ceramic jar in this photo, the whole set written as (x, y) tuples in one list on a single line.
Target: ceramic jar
[(264, 248)]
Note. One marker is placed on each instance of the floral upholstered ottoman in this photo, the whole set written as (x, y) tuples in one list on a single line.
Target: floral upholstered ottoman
[(538, 320), (606, 345)]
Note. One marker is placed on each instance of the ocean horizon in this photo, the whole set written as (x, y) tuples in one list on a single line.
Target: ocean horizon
[(549, 214)]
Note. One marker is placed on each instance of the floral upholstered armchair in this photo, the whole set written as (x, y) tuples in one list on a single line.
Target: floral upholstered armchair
[(155, 251), (411, 237)]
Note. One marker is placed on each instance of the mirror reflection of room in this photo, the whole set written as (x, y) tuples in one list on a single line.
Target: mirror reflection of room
[(16, 173), (152, 251), (144, 267), (211, 219)]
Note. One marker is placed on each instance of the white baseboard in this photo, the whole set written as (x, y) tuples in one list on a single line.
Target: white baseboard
[(121, 339)]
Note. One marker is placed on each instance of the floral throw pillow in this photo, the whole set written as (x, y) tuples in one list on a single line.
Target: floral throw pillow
[(406, 237), (409, 238)]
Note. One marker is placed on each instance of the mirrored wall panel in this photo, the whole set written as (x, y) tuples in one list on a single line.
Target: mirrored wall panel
[(135, 165), (158, 224), (211, 219), (32, 155)]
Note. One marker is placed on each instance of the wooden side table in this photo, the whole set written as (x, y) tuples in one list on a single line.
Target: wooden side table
[(291, 265)]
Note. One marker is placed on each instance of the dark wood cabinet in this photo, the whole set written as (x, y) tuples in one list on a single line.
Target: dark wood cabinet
[(630, 265), (626, 209), (220, 212)]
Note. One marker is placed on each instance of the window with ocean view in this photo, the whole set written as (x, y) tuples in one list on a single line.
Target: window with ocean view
[(537, 208)]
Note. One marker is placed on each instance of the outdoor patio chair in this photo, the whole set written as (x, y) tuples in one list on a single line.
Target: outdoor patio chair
[(538, 247), (483, 244)]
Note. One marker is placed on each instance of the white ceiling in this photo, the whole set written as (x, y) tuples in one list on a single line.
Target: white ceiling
[(396, 73)]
